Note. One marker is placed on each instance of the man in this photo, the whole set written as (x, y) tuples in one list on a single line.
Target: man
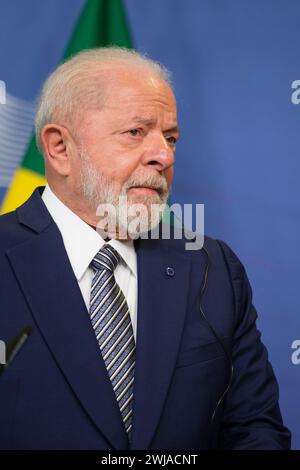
[(135, 343)]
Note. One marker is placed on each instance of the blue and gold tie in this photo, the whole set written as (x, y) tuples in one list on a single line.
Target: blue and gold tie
[(112, 325)]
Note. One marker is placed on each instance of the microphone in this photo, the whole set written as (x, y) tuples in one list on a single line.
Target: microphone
[(14, 346)]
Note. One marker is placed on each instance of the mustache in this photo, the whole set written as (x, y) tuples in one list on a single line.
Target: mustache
[(159, 183)]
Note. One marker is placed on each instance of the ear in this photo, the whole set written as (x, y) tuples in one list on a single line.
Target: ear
[(57, 145)]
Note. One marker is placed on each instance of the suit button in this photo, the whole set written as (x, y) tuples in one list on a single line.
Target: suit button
[(170, 272)]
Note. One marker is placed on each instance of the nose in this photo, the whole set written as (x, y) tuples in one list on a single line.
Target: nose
[(158, 153)]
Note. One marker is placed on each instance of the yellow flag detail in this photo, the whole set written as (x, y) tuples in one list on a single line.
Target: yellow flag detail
[(23, 184)]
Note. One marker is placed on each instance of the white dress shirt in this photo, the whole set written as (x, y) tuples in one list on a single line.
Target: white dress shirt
[(82, 242)]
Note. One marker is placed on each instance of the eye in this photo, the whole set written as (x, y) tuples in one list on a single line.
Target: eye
[(171, 139), (135, 132)]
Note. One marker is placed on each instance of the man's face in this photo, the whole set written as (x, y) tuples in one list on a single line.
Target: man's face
[(132, 138)]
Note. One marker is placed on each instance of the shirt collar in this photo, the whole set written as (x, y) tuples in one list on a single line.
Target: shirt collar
[(81, 241)]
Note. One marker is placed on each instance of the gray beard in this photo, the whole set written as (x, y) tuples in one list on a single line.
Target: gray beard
[(99, 192)]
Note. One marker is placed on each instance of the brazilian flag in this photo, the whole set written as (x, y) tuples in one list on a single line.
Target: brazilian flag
[(101, 23)]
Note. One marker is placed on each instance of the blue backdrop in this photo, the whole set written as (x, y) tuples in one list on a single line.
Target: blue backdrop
[(233, 63)]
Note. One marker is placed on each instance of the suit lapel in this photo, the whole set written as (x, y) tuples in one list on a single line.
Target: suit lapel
[(49, 285), (162, 303)]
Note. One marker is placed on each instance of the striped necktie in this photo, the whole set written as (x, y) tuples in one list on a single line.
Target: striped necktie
[(111, 322)]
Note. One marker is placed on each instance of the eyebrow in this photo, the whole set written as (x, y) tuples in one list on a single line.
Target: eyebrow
[(151, 122)]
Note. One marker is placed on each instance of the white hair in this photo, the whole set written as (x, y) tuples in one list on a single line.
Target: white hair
[(67, 90)]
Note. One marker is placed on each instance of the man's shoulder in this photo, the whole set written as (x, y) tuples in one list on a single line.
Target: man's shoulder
[(8, 225), (224, 264), (194, 244), (12, 232)]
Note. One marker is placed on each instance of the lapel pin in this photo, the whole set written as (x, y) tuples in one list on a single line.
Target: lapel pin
[(170, 271)]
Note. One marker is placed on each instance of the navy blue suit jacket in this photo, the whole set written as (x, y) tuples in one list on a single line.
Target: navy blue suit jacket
[(56, 393)]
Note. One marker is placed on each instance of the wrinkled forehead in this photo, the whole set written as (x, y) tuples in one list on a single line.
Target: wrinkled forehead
[(118, 94)]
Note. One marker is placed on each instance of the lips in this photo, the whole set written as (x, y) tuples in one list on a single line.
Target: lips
[(149, 188)]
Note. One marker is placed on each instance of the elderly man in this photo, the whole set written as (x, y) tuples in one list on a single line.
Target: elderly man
[(135, 342)]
